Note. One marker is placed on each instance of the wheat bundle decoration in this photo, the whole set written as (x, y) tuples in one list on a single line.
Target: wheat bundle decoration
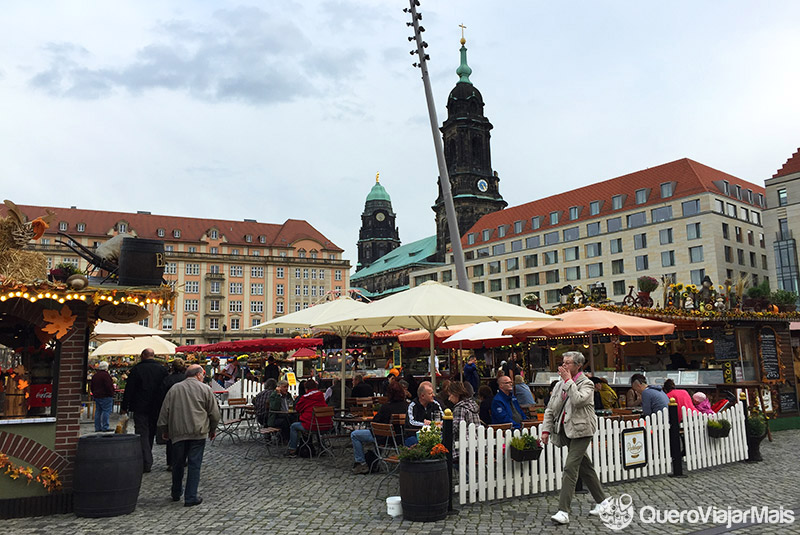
[(16, 232)]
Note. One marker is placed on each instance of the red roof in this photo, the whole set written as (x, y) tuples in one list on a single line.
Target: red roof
[(100, 223), (791, 166), (689, 178)]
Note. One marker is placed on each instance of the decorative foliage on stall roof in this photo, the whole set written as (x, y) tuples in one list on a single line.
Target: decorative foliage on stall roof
[(48, 478), (164, 296), (733, 314), (59, 322)]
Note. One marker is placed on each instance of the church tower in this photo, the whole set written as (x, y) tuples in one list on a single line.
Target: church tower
[(467, 151), (378, 234)]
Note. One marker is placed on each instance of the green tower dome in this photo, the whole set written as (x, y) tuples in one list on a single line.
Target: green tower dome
[(378, 193)]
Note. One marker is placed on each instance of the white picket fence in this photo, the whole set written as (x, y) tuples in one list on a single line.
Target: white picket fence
[(703, 451), (246, 388)]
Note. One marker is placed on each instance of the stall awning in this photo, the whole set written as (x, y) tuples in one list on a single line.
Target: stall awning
[(256, 345)]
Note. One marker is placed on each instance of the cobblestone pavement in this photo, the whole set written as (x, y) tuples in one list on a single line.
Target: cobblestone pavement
[(299, 496)]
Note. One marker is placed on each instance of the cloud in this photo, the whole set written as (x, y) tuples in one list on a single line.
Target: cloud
[(244, 54)]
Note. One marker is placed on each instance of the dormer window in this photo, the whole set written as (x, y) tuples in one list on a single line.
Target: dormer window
[(122, 227), (262, 239), (667, 189), (536, 222), (248, 238), (176, 233), (501, 231), (726, 187), (62, 226), (554, 218), (738, 191), (81, 227), (161, 233), (594, 207), (616, 202), (213, 234), (641, 196), (486, 234), (574, 212)]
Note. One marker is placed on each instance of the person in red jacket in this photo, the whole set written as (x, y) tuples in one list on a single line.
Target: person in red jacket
[(305, 409), (682, 397)]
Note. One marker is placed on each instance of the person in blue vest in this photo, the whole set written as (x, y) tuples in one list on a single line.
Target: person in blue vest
[(505, 407)]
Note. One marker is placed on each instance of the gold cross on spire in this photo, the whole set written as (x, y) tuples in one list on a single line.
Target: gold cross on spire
[(462, 33)]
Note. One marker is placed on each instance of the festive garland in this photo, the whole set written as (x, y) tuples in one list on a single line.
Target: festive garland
[(48, 478), (671, 312)]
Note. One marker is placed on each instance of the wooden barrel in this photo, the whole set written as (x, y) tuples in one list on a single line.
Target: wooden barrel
[(108, 474), (141, 262), (424, 490)]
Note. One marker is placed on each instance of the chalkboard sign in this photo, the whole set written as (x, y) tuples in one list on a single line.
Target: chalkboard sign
[(770, 359), (724, 345), (788, 401)]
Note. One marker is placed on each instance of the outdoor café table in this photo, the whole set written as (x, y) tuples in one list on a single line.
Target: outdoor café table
[(352, 422)]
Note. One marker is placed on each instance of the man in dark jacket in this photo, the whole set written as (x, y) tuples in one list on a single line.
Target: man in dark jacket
[(142, 397), (471, 373), (361, 388), (103, 393), (177, 375), (422, 411), (272, 371), (505, 407)]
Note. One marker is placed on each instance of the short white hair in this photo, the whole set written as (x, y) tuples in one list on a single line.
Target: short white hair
[(102, 365), (576, 356)]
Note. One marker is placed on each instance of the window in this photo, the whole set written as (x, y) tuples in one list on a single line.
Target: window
[(495, 285), (235, 288), (640, 241), (726, 187), (166, 324), (533, 242), (256, 271), (256, 307), (62, 226), (191, 287), (750, 237), (512, 264), (697, 276), (122, 227), (512, 283), (594, 207), (667, 189), (256, 289), (518, 226), (498, 249), (176, 233), (571, 234), (667, 258), (554, 218), (761, 240), (337, 275), (501, 231), (696, 254), (213, 250), (161, 233), (234, 306), (471, 238), (192, 249), (593, 229), (594, 249), (594, 271), (478, 287), (641, 263), (552, 296), (279, 289), (235, 252), (617, 267), (614, 224), (763, 261), (536, 223), (570, 254), (756, 218), (618, 287), (263, 239), (690, 207), (616, 245), (213, 234), (447, 276), (279, 273), (760, 200), (191, 305), (192, 269), (663, 213), (483, 252), (191, 324), (81, 227), (532, 279), (737, 190), (550, 257), (572, 273), (515, 299), (305, 273), (753, 259), (731, 210), (726, 231), (314, 274), (477, 270), (551, 238), (728, 254), (213, 305), (171, 268), (636, 220), (693, 231), (665, 236), (617, 202), (236, 271), (236, 325), (531, 260), (641, 196), (494, 267), (248, 238), (719, 206), (738, 233), (783, 199), (574, 213), (296, 273), (305, 289), (486, 234), (516, 245), (551, 276), (740, 256)]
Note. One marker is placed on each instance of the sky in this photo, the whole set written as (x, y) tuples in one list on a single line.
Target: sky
[(278, 110)]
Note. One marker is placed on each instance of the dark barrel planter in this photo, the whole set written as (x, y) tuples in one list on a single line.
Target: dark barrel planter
[(108, 474), (424, 490), (754, 448), (141, 262)]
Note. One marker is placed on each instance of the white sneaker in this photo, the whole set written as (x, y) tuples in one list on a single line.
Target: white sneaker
[(560, 517), (601, 507)]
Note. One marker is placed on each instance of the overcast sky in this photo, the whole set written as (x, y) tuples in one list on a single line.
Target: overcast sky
[(276, 110)]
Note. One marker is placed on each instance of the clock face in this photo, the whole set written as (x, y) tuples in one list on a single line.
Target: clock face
[(483, 185), (379, 216)]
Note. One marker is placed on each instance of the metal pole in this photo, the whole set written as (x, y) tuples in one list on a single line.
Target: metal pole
[(675, 439), (444, 177), (447, 440)]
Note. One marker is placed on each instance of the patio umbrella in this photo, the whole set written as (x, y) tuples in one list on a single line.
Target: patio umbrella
[(422, 338), (135, 346), (485, 334), (105, 331), (590, 320), (432, 305), (304, 354), (319, 316)]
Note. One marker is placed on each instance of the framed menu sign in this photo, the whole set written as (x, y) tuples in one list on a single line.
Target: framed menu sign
[(770, 352), (724, 345), (634, 448)]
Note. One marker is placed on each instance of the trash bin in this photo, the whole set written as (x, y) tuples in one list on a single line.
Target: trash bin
[(108, 474)]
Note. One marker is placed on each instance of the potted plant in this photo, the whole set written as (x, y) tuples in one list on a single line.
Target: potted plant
[(756, 430), (525, 448), (719, 428), (785, 300), (757, 297), (62, 272), (646, 284), (531, 301), (424, 479)]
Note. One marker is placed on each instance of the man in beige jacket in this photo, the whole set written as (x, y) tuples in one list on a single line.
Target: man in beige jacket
[(189, 414), (570, 421)]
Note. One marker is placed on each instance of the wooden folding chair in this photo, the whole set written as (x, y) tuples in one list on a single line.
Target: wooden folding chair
[(321, 426), (502, 427), (229, 427), (387, 450)]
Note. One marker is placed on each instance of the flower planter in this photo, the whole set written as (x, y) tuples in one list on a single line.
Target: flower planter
[(754, 448), (522, 456), (719, 432), (424, 490)]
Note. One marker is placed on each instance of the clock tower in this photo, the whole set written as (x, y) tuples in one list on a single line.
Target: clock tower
[(475, 186), (378, 234)]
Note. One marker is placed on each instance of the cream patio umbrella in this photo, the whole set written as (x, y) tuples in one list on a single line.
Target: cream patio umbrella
[(318, 316), (105, 331), (432, 305), (135, 346)]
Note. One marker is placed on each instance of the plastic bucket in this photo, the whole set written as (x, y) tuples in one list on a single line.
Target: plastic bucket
[(394, 507)]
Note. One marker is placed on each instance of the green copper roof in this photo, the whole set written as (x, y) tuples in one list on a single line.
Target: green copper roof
[(417, 252), (378, 193), (463, 70)]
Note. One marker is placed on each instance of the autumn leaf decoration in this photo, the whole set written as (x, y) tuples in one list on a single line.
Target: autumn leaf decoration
[(58, 322)]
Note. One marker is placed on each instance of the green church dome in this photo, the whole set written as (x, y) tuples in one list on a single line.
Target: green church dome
[(378, 193)]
